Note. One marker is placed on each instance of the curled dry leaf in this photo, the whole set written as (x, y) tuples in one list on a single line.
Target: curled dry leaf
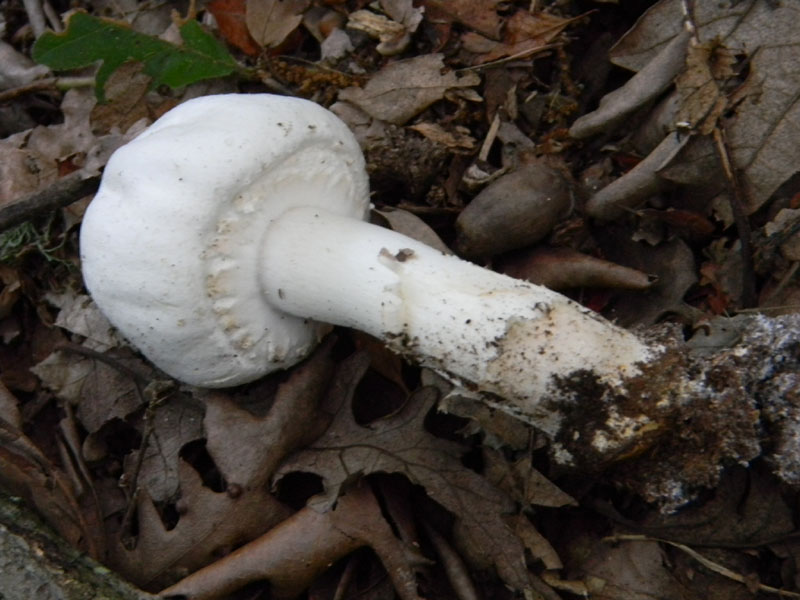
[(564, 268), (405, 88), (516, 210), (292, 554), (639, 183), (27, 473), (760, 131), (401, 444), (523, 34)]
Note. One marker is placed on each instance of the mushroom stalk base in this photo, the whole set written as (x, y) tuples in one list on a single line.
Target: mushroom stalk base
[(506, 340)]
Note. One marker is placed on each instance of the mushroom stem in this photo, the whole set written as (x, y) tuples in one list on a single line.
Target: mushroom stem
[(507, 339)]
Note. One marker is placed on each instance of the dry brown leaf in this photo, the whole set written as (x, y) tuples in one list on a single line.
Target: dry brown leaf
[(523, 482), (230, 17), (100, 391), (404, 88), (245, 448), (673, 265), (292, 554), (411, 225), (126, 100), (761, 133), (400, 444), (564, 268), (480, 15), (271, 21), (700, 86), (394, 37), (175, 423), (458, 141), (27, 473), (524, 33), (629, 571), (32, 159)]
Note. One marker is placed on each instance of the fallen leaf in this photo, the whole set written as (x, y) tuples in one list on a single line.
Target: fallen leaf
[(16, 69), (401, 444), (246, 450), (292, 554), (404, 88), (524, 33), (230, 17), (271, 21), (393, 36), (457, 141), (409, 224), (564, 268), (480, 15), (175, 423), (760, 130), (700, 87)]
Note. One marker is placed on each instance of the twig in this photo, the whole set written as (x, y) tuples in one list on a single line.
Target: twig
[(709, 564), (46, 84), (33, 8), (62, 193), (505, 59), (748, 297)]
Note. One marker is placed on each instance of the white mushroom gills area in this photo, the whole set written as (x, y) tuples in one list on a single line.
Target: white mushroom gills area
[(481, 329)]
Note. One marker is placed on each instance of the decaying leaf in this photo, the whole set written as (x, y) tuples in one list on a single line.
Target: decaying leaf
[(175, 422), (404, 88), (458, 141), (523, 34), (564, 268), (245, 449), (292, 554), (480, 15), (27, 473), (760, 132), (17, 69), (271, 21), (230, 17), (400, 444)]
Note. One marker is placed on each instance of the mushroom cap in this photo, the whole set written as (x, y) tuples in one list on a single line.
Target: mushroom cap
[(170, 244)]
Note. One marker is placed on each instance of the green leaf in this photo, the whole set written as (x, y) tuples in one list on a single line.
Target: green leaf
[(88, 40)]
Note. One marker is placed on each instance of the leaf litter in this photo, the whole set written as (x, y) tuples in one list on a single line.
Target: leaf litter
[(162, 481)]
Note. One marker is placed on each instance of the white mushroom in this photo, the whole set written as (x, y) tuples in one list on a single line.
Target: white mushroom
[(226, 236)]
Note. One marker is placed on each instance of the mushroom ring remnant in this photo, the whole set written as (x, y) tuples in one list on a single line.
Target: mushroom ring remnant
[(226, 237)]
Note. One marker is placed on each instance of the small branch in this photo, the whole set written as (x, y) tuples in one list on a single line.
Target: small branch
[(46, 84), (707, 563), (748, 297), (33, 8), (62, 193)]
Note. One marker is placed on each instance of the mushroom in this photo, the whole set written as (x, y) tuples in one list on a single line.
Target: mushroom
[(226, 238)]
